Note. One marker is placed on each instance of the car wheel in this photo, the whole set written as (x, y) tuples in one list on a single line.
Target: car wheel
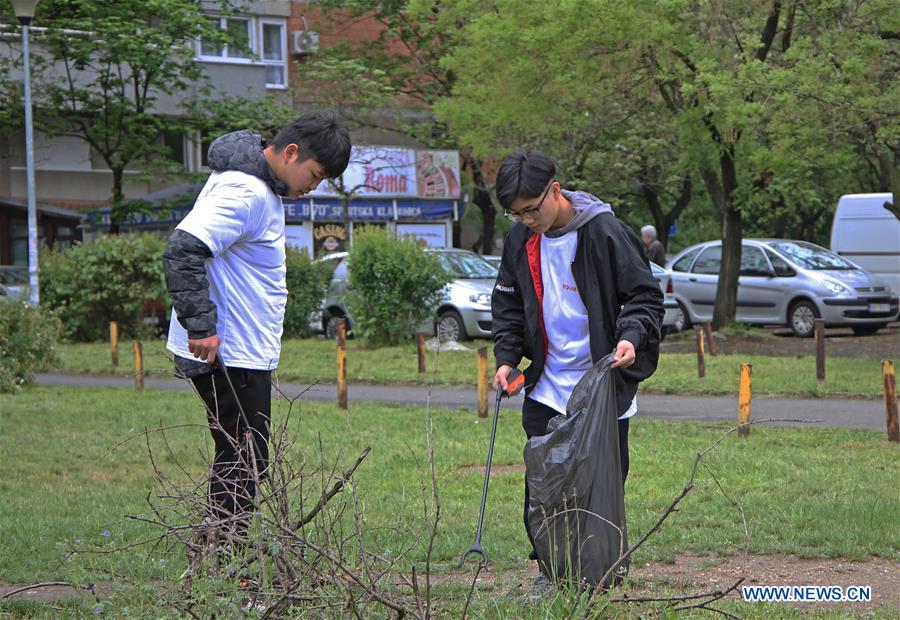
[(331, 329), (867, 330), (450, 327), (802, 318), (682, 319)]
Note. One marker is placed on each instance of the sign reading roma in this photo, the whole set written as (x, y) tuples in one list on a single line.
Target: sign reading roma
[(392, 172)]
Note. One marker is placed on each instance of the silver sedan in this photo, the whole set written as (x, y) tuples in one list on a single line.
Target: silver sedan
[(785, 282)]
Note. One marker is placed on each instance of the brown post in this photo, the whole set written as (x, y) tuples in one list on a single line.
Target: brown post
[(819, 331), (890, 400), (342, 363), (482, 383), (420, 338), (114, 342), (710, 341), (138, 366), (701, 364), (744, 401)]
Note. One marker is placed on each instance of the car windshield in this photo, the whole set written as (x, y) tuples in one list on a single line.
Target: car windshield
[(811, 256), (466, 265)]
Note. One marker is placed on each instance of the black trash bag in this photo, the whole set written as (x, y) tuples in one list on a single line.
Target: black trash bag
[(576, 507)]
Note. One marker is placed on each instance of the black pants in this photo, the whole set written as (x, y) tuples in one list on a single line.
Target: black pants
[(535, 418), (231, 485)]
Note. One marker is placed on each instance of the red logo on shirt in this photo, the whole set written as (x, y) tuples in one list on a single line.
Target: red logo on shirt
[(569, 287)]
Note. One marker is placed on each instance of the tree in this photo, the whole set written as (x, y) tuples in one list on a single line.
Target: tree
[(104, 68), (401, 70), (745, 90)]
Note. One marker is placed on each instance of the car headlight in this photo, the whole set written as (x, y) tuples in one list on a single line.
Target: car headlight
[(482, 299), (836, 287)]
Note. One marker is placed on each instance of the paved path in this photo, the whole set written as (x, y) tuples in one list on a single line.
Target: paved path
[(844, 413)]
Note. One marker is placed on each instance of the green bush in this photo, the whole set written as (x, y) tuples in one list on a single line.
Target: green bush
[(27, 337), (118, 278), (307, 282), (395, 285)]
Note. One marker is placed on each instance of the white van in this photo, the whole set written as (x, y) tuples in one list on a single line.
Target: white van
[(869, 235)]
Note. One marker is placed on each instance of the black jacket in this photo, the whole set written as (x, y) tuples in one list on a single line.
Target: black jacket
[(618, 289)]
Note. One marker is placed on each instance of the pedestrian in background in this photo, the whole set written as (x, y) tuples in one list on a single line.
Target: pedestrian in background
[(654, 250)]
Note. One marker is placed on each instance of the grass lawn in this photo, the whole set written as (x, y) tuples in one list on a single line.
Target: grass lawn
[(309, 360), (811, 492)]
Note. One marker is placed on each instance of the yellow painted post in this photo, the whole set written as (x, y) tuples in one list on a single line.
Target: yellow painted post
[(710, 341), (342, 363), (420, 339), (701, 363), (890, 400), (138, 366), (482, 383), (744, 400), (114, 342)]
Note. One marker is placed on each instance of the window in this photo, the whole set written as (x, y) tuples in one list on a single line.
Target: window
[(240, 40), (250, 41), (781, 267), (684, 263), (709, 261), (274, 54), (753, 262), (20, 242)]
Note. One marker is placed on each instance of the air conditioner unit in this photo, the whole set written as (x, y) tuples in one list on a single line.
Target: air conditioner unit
[(304, 42)]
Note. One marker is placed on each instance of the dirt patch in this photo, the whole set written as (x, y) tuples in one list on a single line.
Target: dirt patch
[(497, 470), (693, 574), (779, 341)]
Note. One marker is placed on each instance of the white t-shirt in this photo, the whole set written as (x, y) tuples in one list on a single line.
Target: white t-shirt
[(241, 221), (566, 324)]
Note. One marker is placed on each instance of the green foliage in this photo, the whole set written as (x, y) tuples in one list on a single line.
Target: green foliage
[(306, 283), (27, 338), (395, 285), (118, 278), (121, 76)]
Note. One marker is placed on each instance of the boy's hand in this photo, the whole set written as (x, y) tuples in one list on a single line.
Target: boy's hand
[(624, 355), (205, 348), (501, 380)]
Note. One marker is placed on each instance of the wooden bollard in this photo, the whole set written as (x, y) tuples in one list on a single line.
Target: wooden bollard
[(138, 366), (420, 340), (114, 342), (744, 400), (701, 363), (342, 363), (482, 383), (819, 331), (890, 400), (710, 341)]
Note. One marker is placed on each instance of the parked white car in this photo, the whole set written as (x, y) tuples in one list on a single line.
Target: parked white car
[(463, 312), (674, 320), (785, 282)]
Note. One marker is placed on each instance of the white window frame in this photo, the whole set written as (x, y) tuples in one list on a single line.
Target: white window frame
[(283, 63), (222, 56), (255, 33)]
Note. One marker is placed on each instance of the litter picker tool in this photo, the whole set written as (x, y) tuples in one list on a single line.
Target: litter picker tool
[(517, 379)]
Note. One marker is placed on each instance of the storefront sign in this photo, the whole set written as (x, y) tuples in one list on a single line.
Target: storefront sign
[(381, 171)]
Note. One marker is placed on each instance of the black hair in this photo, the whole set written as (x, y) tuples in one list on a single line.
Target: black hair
[(523, 174), (320, 136)]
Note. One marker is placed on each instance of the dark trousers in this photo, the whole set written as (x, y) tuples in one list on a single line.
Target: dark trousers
[(232, 488), (535, 418)]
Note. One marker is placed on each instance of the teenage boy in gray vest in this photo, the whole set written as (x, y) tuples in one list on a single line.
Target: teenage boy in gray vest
[(225, 271), (574, 285)]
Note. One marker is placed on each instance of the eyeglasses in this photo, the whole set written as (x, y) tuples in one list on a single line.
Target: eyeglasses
[(531, 213)]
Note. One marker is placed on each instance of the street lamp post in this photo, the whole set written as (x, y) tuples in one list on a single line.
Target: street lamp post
[(25, 13)]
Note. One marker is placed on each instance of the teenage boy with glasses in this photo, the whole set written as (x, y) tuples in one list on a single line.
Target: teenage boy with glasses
[(574, 285)]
